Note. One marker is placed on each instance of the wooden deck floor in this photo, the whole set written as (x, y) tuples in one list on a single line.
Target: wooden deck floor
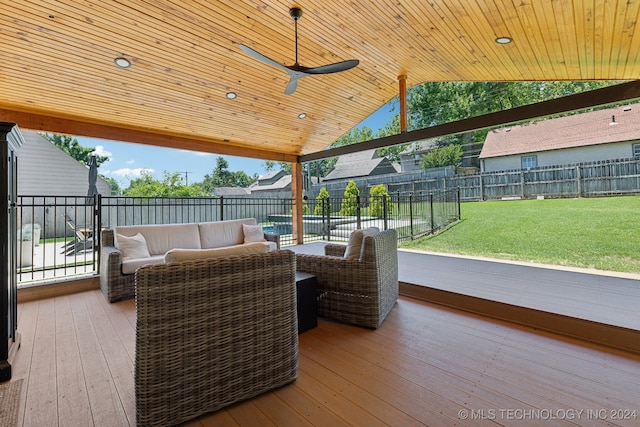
[(426, 365)]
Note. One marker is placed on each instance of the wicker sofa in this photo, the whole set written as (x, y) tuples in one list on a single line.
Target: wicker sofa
[(362, 289), (213, 332), (117, 271)]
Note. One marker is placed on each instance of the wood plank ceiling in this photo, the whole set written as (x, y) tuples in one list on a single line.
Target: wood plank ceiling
[(58, 71)]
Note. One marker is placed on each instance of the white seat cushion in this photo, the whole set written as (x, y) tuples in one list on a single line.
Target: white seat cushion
[(129, 266)]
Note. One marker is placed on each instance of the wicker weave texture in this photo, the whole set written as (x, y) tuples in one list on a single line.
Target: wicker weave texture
[(213, 332), (358, 291), (114, 284)]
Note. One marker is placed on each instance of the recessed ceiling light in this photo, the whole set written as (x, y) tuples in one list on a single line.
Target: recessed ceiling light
[(231, 95), (503, 40), (302, 115), (122, 62)]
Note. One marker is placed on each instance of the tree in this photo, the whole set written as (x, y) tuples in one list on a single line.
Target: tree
[(349, 205), (391, 128), (378, 194), (449, 155), (270, 166), (223, 177), (72, 147), (436, 103), (115, 186), (171, 186), (322, 200)]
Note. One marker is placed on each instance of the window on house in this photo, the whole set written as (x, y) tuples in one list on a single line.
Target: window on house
[(529, 162), (636, 150)]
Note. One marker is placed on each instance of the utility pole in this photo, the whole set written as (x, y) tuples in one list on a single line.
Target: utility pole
[(186, 177)]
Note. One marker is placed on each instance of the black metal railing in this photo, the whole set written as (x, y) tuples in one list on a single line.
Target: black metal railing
[(60, 235), (57, 237), (411, 215)]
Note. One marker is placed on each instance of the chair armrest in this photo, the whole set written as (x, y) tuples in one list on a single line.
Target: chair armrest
[(335, 250), (273, 237)]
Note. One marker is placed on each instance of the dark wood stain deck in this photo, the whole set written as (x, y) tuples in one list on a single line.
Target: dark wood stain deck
[(426, 365)]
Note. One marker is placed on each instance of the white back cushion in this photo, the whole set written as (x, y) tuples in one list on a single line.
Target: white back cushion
[(223, 233), (163, 237), (177, 255)]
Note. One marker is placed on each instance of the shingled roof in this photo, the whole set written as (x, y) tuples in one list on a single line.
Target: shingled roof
[(577, 130), (363, 163)]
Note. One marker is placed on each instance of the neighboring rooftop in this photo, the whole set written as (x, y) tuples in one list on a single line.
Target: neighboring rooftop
[(577, 130), (363, 163)]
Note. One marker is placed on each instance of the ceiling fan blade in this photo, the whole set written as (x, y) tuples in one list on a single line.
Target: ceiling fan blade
[(333, 68), (292, 86), (260, 57)]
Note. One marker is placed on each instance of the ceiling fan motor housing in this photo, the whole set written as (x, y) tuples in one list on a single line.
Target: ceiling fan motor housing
[(295, 13)]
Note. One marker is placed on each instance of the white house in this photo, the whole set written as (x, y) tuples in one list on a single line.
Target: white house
[(609, 134), (46, 170)]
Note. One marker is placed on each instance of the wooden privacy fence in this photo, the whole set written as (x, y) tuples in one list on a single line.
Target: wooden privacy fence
[(603, 178)]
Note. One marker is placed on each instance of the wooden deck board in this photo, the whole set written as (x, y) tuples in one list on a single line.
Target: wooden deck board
[(421, 367)]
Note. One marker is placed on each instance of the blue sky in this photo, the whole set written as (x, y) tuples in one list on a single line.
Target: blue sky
[(128, 161)]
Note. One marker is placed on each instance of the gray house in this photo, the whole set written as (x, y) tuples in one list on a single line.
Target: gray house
[(411, 156), (361, 164), (46, 170), (609, 134)]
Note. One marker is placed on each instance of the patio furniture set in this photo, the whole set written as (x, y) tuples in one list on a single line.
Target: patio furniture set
[(214, 328)]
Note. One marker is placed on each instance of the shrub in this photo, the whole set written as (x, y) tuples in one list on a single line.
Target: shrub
[(442, 156), (349, 205), (376, 204), (322, 200)]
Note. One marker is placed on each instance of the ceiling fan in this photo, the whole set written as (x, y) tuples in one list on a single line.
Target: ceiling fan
[(297, 71)]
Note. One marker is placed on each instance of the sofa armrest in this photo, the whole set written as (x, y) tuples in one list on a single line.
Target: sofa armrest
[(106, 238), (273, 237), (335, 250), (114, 285)]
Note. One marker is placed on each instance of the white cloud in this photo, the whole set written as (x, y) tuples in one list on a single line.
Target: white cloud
[(132, 173), (100, 151), (130, 162), (197, 153)]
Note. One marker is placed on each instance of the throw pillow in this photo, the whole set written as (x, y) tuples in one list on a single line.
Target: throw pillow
[(132, 247), (253, 233), (354, 245), (178, 255)]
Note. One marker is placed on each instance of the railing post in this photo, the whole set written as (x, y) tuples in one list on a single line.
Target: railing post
[(431, 212), (385, 214), (221, 208), (326, 213), (458, 201), (97, 230), (358, 218), (411, 214)]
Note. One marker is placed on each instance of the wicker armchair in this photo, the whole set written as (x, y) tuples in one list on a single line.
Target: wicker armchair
[(213, 332), (357, 291)]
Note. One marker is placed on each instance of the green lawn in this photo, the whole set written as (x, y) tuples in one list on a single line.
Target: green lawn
[(602, 233)]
